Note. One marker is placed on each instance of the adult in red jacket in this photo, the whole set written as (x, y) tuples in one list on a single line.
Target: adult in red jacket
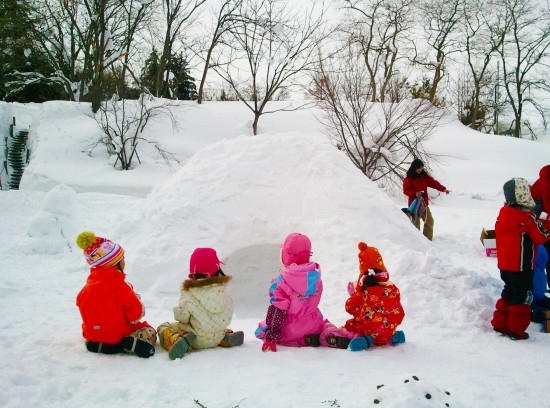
[(518, 233), (418, 181), (110, 309), (540, 191)]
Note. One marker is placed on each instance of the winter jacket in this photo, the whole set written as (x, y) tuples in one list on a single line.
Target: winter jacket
[(297, 291), (205, 308), (109, 307), (376, 311), (540, 190), (518, 233), (412, 185)]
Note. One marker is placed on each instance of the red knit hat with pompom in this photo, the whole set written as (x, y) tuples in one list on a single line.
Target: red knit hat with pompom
[(371, 263)]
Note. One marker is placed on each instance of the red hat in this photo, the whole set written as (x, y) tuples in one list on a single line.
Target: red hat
[(371, 263), (204, 261)]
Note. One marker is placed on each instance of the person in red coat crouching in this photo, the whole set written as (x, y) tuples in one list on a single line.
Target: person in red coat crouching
[(111, 311), (518, 233)]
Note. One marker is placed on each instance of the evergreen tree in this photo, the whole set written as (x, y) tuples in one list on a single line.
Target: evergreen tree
[(149, 72), (24, 70), (181, 85)]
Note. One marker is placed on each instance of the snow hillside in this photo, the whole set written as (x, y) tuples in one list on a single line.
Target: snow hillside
[(242, 195)]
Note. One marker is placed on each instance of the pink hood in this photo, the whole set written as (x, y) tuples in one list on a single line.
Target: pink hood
[(303, 279)]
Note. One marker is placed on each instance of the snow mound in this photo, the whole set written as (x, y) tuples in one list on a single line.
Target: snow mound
[(50, 229), (240, 194)]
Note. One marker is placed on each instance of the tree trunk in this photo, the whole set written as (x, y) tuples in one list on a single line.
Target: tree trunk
[(203, 79), (255, 123)]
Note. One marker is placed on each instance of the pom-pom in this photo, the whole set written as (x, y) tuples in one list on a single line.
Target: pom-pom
[(362, 246), (85, 239)]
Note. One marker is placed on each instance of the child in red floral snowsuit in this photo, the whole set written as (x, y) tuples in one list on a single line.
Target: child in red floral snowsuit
[(374, 303)]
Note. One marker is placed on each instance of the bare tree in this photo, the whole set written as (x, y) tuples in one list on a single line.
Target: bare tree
[(440, 19), (524, 53), (481, 41), (176, 14), (83, 38), (269, 46), (122, 123), (380, 30), (225, 18), (137, 14), (379, 138)]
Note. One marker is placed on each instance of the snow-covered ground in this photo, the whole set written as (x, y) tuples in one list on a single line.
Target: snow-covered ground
[(242, 195)]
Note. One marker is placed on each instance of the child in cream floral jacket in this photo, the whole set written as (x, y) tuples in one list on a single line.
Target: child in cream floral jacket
[(204, 311)]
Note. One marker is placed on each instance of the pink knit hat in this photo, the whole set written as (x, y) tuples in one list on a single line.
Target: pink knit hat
[(296, 249), (99, 251), (204, 261)]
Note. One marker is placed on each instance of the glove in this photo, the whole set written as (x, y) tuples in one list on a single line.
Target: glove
[(269, 345), (275, 321), (351, 288)]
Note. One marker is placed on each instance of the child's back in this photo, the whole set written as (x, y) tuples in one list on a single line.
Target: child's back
[(204, 310), (375, 302), (295, 293)]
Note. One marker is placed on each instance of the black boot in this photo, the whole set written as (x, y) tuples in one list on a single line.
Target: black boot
[(338, 342), (312, 340), (138, 347), (104, 348)]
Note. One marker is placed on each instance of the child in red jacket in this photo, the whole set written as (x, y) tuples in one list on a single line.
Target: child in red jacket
[(110, 309), (374, 303), (518, 233)]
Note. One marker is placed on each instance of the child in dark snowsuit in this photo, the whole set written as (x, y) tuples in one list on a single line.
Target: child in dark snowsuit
[(374, 303), (518, 233)]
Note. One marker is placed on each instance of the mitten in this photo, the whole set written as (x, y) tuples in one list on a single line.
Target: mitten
[(275, 321), (351, 288), (269, 346)]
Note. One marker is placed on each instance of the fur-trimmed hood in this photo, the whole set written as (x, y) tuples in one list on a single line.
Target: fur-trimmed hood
[(199, 283)]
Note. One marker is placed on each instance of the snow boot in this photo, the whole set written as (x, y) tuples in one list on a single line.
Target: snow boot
[(141, 348), (232, 339), (519, 318), (181, 346), (521, 336), (104, 348), (500, 316), (397, 338), (312, 340), (361, 343), (338, 342)]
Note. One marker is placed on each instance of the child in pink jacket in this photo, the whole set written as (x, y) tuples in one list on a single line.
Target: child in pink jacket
[(293, 317)]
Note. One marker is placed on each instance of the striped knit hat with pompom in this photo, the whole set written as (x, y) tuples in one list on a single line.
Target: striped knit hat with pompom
[(99, 251)]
